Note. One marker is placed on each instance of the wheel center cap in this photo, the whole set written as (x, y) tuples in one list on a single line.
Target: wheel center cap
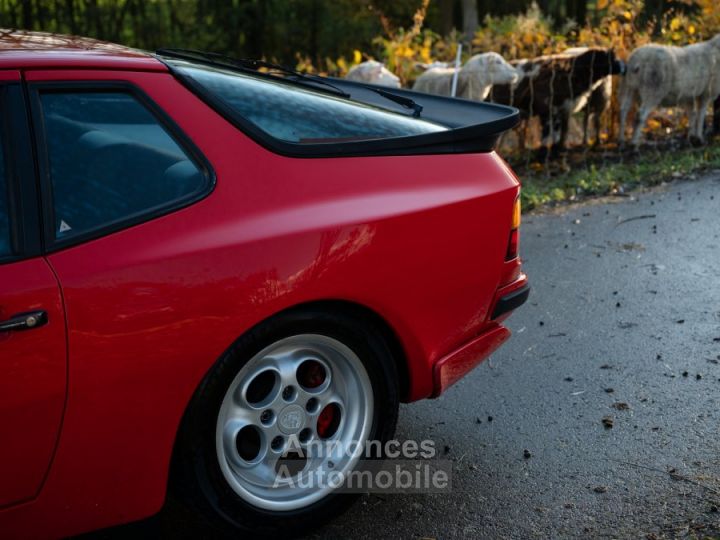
[(291, 419)]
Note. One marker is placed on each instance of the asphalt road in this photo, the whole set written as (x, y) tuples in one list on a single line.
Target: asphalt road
[(623, 323)]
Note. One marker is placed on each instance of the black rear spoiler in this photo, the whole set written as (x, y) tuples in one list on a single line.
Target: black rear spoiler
[(474, 126), (467, 119)]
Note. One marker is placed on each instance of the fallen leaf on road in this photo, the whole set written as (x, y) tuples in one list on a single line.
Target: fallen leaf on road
[(625, 325), (635, 218), (608, 422), (600, 489), (621, 406), (631, 246)]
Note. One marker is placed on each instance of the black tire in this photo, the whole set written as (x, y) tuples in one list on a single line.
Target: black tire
[(196, 476)]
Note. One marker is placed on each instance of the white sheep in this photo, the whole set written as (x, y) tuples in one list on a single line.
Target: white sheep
[(475, 78), (668, 76), (432, 65), (373, 72)]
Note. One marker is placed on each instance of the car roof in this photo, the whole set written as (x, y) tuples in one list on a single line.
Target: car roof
[(23, 49)]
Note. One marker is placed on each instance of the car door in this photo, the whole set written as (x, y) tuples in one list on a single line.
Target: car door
[(118, 180), (33, 350)]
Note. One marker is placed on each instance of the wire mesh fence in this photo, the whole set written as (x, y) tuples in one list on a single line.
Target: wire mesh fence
[(590, 109)]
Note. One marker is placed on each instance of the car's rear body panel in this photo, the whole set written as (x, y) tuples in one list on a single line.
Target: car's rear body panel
[(419, 240)]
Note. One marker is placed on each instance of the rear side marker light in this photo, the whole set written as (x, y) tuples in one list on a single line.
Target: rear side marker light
[(517, 212)]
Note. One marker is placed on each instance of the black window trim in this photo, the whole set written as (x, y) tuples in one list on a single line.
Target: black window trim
[(20, 175), (52, 243)]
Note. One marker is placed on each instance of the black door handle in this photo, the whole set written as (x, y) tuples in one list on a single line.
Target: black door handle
[(24, 321)]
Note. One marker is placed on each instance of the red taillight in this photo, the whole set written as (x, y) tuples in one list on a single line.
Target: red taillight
[(512, 250), (513, 243)]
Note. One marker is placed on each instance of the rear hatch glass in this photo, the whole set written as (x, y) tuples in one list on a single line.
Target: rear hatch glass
[(310, 116), (302, 115)]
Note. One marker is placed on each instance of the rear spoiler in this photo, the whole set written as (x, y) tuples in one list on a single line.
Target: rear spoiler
[(473, 126)]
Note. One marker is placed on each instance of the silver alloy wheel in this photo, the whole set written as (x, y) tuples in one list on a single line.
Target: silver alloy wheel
[(303, 393)]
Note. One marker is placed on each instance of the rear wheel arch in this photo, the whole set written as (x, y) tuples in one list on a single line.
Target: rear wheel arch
[(363, 313), (346, 314)]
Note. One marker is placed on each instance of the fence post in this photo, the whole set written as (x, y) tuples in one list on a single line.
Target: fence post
[(453, 89)]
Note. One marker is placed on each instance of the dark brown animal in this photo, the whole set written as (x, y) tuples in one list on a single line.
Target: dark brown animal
[(555, 86), (598, 102)]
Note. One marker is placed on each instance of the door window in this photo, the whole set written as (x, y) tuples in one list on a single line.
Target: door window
[(111, 161)]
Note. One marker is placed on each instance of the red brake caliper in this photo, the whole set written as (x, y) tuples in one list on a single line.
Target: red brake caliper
[(328, 421)]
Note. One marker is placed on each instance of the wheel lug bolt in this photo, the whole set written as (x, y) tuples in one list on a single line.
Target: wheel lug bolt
[(267, 417), (277, 443), (288, 393), (312, 405)]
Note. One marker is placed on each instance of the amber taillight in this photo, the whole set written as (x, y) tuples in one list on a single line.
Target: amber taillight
[(513, 243)]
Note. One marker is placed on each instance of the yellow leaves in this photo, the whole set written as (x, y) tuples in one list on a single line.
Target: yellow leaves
[(616, 24), (404, 51)]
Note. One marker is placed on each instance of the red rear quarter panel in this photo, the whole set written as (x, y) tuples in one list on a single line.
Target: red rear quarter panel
[(420, 240)]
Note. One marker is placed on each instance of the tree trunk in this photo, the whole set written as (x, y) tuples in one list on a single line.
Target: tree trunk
[(447, 12), (470, 19), (716, 117), (577, 10), (27, 12), (314, 30)]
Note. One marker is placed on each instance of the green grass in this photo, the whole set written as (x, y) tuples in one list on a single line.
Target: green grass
[(646, 169)]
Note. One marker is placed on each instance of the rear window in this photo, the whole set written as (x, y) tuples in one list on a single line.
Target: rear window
[(295, 114)]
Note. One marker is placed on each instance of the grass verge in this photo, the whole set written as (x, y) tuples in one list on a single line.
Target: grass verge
[(597, 179)]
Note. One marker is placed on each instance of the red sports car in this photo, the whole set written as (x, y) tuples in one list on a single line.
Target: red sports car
[(202, 258)]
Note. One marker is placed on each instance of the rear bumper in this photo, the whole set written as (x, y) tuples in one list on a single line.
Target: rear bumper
[(510, 297), (510, 301), (453, 367)]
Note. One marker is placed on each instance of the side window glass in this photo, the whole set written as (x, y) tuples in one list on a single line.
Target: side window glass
[(111, 161), (4, 206)]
